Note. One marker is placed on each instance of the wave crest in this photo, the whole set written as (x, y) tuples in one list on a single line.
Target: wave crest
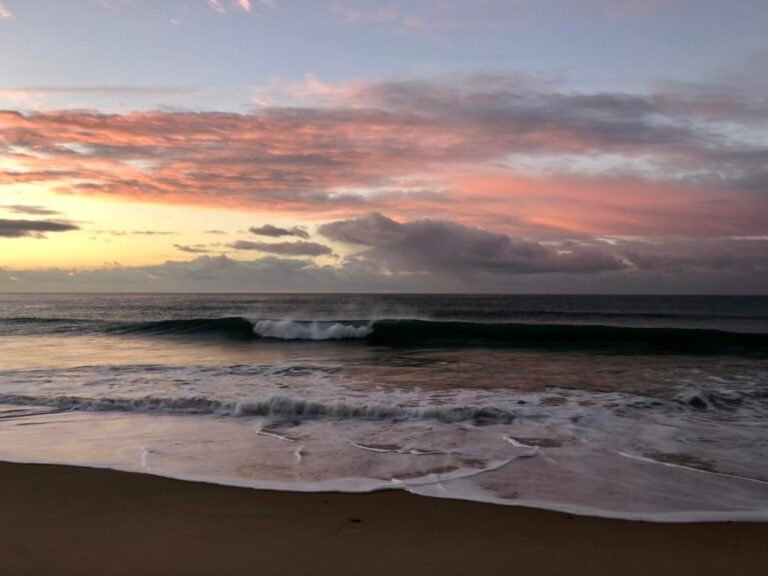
[(297, 330)]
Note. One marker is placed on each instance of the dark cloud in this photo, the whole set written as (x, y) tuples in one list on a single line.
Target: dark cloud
[(192, 249), (451, 254), (215, 232), (31, 210), (284, 248), (276, 232), (33, 228), (373, 230), (444, 247)]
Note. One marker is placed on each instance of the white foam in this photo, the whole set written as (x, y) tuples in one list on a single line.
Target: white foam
[(690, 468), (274, 435), (276, 406), (304, 425), (473, 463), (295, 330)]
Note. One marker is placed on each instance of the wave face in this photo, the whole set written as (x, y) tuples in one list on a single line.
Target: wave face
[(425, 333), (397, 332), (234, 328)]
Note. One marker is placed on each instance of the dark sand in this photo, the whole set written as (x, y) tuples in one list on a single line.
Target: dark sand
[(63, 520)]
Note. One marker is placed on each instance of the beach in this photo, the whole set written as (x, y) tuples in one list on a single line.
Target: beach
[(383, 287), (69, 520)]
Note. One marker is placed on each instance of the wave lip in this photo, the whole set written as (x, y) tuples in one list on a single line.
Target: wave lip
[(310, 330)]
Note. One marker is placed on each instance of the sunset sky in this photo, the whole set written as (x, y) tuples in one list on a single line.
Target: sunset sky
[(584, 146)]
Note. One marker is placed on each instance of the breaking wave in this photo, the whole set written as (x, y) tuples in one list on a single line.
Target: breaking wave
[(425, 333), (410, 332), (291, 330)]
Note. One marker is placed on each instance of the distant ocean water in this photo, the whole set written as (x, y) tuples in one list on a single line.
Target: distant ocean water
[(625, 406)]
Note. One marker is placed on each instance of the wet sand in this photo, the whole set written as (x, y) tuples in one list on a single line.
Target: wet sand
[(64, 520)]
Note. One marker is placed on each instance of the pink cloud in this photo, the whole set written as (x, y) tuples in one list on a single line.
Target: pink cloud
[(216, 5), (606, 206), (415, 148)]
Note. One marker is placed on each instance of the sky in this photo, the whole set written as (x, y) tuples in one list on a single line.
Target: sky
[(521, 146)]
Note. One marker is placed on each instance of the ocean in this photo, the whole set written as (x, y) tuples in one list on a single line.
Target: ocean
[(643, 407)]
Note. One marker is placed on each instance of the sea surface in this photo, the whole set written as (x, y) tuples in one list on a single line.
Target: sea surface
[(620, 406)]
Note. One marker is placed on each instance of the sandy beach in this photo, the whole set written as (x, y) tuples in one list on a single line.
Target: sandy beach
[(66, 520), (383, 287)]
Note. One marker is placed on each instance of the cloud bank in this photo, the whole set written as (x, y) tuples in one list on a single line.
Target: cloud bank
[(299, 248), (442, 247), (488, 150), (428, 255), (475, 183), (445, 248)]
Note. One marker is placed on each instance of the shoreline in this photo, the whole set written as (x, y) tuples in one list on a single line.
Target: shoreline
[(61, 520)]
